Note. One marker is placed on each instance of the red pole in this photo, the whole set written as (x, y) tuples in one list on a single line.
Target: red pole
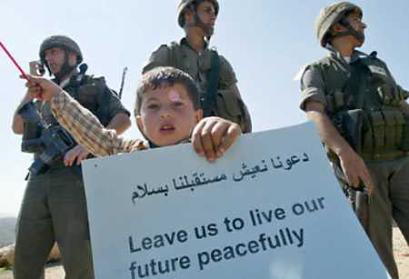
[(14, 61)]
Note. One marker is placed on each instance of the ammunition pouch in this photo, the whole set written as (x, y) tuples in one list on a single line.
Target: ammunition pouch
[(228, 106), (376, 134), (405, 133)]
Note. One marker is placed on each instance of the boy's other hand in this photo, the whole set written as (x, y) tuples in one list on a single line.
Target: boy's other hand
[(75, 156), (212, 136)]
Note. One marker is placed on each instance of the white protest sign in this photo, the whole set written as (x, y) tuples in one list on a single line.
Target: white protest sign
[(269, 209)]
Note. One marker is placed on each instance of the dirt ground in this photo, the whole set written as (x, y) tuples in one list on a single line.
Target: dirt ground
[(401, 250), (53, 271)]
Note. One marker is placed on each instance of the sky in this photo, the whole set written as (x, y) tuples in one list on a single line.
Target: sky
[(266, 41)]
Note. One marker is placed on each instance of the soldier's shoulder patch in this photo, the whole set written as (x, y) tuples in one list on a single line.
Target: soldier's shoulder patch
[(377, 70)]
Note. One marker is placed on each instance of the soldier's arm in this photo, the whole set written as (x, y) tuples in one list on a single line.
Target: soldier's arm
[(17, 125), (353, 166), (118, 114), (403, 104), (313, 103), (405, 107), (404, 93), (228, 82), (328, 133), (247, 126), (120, 123), (159, 57)]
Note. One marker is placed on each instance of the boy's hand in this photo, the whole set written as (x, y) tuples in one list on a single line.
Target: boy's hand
[(41, 88), (75, 156), (212, 136)]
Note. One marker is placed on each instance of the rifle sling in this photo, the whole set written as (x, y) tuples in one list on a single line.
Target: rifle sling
[(213, 77)]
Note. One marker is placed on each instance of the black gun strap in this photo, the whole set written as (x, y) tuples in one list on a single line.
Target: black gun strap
[(353, 89), (356, 83), (213, 77)]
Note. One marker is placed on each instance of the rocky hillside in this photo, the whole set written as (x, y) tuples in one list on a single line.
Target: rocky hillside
[(7, 230)]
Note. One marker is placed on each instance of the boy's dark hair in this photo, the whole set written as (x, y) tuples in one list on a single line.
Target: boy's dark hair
[(166, 76)]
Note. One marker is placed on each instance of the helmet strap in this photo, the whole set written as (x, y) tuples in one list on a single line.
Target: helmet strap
[(350, 31)]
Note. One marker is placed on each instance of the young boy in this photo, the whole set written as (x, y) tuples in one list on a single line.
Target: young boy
[(167, 112)]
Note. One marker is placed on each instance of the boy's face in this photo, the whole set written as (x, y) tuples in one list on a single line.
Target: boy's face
[(167, 115)]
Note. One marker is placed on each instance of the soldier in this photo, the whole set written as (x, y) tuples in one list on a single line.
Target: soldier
[(213, 73), (54, 207), (362, 117)]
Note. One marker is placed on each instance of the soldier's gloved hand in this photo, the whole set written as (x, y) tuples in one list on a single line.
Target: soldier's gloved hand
[(76, 154), (212, 136), (41, 88), (355, 170)]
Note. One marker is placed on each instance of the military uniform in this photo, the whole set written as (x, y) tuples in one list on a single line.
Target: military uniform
[(228, 103), (54, 206), (363, 101)]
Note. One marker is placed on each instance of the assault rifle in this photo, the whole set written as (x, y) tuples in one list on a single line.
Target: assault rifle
[(48, 142)]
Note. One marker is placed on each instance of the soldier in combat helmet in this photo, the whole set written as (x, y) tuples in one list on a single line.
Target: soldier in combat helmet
[(362, 117), (217, 81), (54, 207)]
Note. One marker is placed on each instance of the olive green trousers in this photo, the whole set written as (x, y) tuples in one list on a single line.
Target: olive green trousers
[(53, 209), (389, 201)]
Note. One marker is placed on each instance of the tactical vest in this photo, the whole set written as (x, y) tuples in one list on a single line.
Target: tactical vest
[(363, 102), (214, 100)]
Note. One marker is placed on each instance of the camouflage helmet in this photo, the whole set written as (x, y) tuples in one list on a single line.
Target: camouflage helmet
[(61, 42), (331, 15), (185, 3)]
